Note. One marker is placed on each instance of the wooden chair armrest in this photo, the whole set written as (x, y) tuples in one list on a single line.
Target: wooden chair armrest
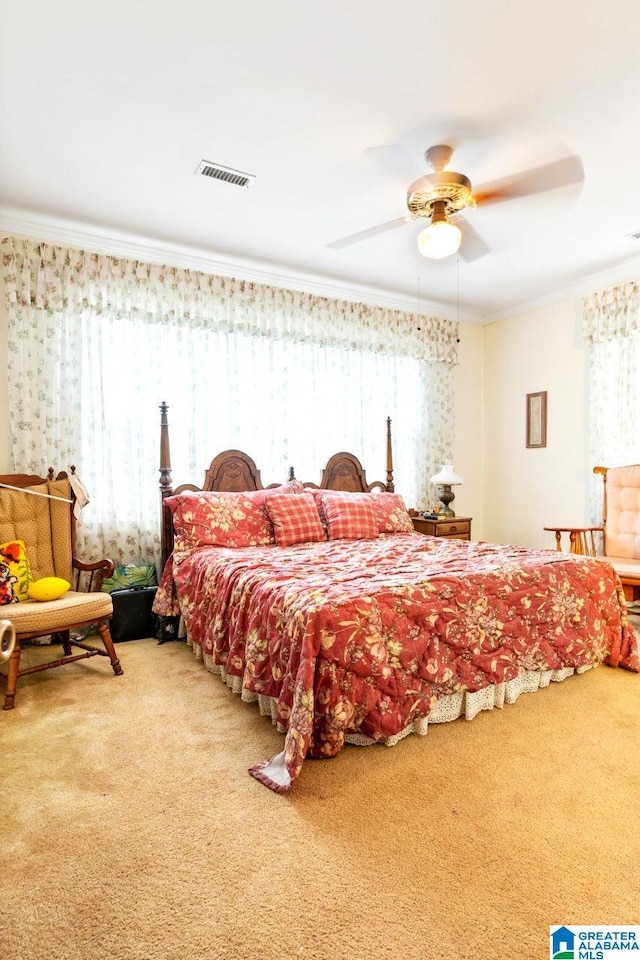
[(581, 539), (97, 571), (574, 529)]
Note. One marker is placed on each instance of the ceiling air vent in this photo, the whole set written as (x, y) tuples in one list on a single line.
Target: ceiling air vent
[(217, 172)]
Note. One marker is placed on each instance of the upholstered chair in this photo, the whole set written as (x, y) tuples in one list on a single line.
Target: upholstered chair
[(618, 537), (45, 524)]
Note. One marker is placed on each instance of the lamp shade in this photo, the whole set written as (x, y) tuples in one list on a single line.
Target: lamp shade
[(447, 476), (439, 240)]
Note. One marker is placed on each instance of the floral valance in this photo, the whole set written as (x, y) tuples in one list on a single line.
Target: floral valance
[(54, 278), (612, 314)]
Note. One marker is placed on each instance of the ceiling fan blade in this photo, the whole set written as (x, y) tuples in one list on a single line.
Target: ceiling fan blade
[(473, 246), (371, 232), (549, 176)]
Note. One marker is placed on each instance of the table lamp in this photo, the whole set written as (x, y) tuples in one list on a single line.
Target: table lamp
[(447, 478)]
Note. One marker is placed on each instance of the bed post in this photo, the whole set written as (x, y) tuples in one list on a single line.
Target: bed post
[(390, 485), (166, 486)]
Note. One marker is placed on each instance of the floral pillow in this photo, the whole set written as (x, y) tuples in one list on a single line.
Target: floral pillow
[(221, 519), (295, 519), (391, 513), (15, 572), (348, 516)]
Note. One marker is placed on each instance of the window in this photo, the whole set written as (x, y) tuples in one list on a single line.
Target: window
[(96, 344)]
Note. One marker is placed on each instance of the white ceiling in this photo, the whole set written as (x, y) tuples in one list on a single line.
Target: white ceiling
[(107, 109)]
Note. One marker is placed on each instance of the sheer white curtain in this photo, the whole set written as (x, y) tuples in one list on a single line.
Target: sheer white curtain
[(95, 344), (612, 337)]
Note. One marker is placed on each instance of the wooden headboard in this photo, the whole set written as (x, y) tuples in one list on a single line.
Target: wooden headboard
[(234, 471)]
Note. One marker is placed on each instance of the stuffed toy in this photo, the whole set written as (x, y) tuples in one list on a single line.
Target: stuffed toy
[(7, 580)]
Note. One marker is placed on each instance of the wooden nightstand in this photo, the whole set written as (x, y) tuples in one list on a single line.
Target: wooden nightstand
[(458, 528)]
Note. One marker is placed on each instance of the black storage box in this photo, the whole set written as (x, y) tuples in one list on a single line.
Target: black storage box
[(132, 617)]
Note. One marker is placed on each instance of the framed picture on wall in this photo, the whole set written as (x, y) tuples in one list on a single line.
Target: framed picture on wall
[(537, 419)]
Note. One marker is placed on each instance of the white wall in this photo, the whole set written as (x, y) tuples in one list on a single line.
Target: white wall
[(528, 489)]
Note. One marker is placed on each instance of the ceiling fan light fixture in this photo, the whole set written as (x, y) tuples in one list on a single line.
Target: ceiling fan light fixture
[(439, 240)]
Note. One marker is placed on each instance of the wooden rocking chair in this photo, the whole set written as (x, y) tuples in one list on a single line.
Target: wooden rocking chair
[(619, 542), (46, 527)]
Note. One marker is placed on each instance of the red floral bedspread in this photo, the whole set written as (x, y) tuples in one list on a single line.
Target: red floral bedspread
[(367, 635)]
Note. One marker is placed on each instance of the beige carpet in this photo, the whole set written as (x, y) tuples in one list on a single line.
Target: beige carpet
[(131, 829)]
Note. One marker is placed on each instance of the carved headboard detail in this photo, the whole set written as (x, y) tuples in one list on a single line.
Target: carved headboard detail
[(345, 472), (232, 471)]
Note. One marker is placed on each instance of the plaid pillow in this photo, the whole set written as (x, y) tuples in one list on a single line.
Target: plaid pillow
[(294, 519), (349, 516), (391, 513)]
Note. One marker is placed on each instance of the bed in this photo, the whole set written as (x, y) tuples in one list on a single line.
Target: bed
[(322, 603)]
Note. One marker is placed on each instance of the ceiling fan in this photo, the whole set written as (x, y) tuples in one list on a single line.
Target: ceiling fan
[(441, 195)]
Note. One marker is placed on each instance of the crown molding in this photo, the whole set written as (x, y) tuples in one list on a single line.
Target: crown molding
[(621, 273), (116, 243)]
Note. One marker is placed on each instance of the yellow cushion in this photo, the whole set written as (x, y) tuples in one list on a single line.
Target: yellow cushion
[(48, 588), (15, 572)]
